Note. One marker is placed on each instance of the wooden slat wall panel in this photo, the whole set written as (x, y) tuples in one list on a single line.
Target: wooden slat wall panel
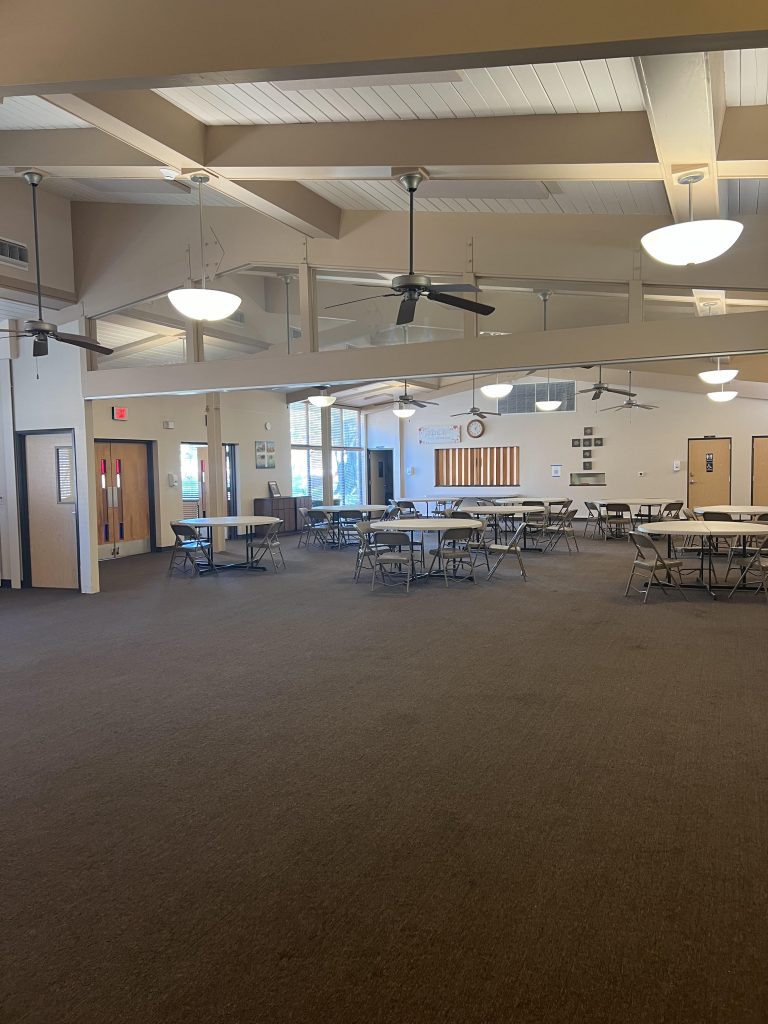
[(477, 467)]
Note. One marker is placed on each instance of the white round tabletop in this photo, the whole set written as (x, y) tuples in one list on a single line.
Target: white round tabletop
[(734, 510), (635, 501), (408, 525), (698, 527), (349, 508), (230, 521), (505, 510)]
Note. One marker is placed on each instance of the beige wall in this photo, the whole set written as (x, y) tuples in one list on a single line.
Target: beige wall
[(56, 268), (648, 442), (243, 417)]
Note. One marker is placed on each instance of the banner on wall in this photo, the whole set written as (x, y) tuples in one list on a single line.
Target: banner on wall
[(440, 435)]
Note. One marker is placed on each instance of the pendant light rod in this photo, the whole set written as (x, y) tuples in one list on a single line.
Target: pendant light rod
[(690, 180), (200, 180), (34, 178)]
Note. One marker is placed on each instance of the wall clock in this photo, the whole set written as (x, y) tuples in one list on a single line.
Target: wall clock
[(475, 428)]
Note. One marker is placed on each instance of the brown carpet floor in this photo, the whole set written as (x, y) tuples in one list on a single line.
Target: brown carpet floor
[(283, 799)]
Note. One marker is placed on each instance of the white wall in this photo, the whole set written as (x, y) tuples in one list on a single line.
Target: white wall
[(648, 442), (243, 416), (48, 396)]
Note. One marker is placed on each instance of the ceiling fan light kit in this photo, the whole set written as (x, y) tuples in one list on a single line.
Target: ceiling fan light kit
[(692, 241), (402, 411), (203, 303), (474, 411)]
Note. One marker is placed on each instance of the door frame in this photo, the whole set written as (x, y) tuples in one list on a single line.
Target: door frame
[(712, 437), (752, 467), (23, 492), (378, 451), (149, 445)]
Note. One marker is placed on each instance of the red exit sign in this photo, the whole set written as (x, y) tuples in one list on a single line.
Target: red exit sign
[(119, 412)]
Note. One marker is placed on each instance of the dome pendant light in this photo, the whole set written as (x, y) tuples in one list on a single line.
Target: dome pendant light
[(718, 376), (403, 411), (497, 390), (548, 404), (721, 395), (323, 399), (203, 303), (691, 241)]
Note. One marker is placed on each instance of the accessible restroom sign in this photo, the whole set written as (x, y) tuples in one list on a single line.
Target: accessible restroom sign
[(710, 461)]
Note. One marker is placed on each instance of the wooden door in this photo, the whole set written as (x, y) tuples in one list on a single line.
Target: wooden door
[(760, 470), (709, 471), (122, 483), (51, 510)]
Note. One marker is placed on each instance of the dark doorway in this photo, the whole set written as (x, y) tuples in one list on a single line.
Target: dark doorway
[(380, 476)]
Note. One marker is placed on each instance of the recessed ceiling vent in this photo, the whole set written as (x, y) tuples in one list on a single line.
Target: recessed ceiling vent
[(14, 254)]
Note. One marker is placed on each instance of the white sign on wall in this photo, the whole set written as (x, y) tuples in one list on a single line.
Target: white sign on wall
[(440, 435)]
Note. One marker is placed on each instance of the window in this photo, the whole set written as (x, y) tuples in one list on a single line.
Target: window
[(65, 484), (347, 455), (306, 451), (523, 397)]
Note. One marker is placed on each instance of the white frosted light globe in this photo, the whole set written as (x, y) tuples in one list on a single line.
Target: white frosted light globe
[(204, 303), (721, 396), (718, 376), (548, 405), (321, 401), (403, 411), (496, 390), (691, 241)]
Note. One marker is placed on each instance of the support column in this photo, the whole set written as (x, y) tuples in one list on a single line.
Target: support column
[(308, 340), (217, 494), (325, 428)]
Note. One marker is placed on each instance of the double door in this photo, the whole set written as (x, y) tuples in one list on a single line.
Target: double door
[(122, 481)]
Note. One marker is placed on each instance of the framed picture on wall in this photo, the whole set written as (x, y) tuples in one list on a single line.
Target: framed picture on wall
[(586, 465), (274, 490), (597, 442), (575, 442), (261, 454), (586, 453), (589, 431)]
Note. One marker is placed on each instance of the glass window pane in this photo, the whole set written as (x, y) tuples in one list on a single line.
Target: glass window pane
[(315, 430), (299, 426), (347, 476), (519, 308), (268, 319)]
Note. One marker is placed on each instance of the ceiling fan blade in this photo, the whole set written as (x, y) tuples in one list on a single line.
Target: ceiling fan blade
[(40, 345), (456, 415), (612, 408), (81, 342), (639, 405), (597, 394), (407, 311), (489, 414), (455, 287), (620, 391), (368, 298), (584, 391), (467, 304)]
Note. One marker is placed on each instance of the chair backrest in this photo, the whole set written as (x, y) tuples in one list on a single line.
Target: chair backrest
[(646, 547), (392, 539), (717, 517), (456, 513), (569, 516), (183, 532), (687, 513), (672, 509), (591, 507), (534, 502), (315, 517), (353, 516), (452, 536), (618, 508), (405, 503), (762, 518)]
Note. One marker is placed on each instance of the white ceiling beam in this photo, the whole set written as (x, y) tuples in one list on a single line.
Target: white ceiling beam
[(536, 146), (617, 344), (685, 100), (163, 132)]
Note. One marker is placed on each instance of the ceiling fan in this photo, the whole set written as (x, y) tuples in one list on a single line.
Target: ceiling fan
[(411, 287), (599, 389), (406, 399), (39, 329), (629, 403), (474, 411)]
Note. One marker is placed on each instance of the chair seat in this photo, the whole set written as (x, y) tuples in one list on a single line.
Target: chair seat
[(512, 549), (394, 558), (667, 563)]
